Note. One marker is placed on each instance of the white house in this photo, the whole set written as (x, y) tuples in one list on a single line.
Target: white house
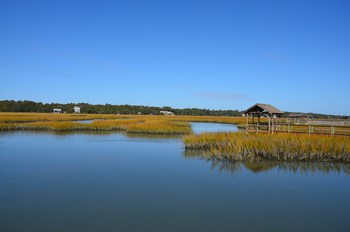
[(57, 111), (167, 112), (76, 109)]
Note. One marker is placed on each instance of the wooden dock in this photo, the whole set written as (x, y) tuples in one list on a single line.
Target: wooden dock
[(299, 129)]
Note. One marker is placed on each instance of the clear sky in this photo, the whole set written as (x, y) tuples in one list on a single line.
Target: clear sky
[(204, 54)]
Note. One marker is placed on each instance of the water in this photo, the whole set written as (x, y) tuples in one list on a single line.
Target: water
[(199, 127), (84, 121), (115, 182)]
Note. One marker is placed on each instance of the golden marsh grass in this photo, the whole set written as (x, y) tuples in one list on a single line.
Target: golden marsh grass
[(157, 124), (286, 147), (231, 146), (65, 122)]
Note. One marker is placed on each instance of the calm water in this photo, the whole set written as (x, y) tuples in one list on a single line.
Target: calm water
[(114, 182), (84, 121), (199, 127)]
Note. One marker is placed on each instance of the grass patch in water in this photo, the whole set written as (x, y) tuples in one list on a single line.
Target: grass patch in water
[(133, 125), (285, 147), (156, 124)]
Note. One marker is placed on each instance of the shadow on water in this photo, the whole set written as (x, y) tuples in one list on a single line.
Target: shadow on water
[(228, 166)]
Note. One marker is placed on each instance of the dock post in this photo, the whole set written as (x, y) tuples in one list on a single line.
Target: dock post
[(309, 129)]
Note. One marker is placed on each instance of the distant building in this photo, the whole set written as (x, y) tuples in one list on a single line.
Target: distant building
[(57, 111), (76, 109), (296, 115), (298, 118), (167, 112)]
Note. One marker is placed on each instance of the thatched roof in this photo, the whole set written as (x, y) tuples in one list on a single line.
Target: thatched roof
[(263, 108)]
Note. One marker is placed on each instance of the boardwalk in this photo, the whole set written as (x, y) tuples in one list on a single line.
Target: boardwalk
[(312, 128)]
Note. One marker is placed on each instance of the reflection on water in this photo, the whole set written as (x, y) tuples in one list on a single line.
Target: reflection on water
[(69, 133), (108, 181), (57, 133), (196, 126), (261, 166), (127, 135), (152, 136)]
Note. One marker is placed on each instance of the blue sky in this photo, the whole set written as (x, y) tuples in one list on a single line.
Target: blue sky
[(204, 54)]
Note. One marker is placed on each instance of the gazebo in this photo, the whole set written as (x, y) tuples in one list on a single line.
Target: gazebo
[(262, 110)]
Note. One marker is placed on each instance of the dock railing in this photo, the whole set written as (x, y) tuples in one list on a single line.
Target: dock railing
[(311, 127)]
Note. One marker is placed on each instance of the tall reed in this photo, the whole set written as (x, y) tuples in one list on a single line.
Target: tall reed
[(134, 125), (241, 146)]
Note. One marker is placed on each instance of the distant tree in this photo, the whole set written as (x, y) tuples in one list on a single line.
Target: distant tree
[(86, 108)]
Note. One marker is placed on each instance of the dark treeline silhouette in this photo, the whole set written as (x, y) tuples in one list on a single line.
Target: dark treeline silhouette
[(39, 107), (30, 106)]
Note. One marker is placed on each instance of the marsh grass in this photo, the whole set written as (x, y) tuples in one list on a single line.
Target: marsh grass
[(130, 124), (285, 147), (44, 117), (230, 146), (160, 127), (239, 121), (156, 124)]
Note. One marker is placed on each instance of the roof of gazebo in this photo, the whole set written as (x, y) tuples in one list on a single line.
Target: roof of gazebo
[(260, 108)]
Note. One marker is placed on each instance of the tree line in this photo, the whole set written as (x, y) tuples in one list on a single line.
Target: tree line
[(86, 108)]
